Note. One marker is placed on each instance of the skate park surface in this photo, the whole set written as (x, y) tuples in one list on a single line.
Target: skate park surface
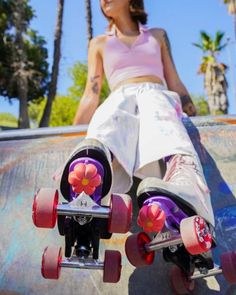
[(29, 158)]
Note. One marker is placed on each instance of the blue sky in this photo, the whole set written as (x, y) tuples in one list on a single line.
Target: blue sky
[(182, 19)]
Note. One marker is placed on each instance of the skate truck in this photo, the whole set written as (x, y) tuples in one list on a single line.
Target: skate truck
[(83, 221), (184, 237)]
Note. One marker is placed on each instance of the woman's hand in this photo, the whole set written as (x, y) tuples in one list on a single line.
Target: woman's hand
[(190, 109), (187, 103)]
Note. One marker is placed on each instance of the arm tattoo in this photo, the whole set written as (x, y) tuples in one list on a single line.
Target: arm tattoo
[(167, 44), (95, 87), (92, 79)]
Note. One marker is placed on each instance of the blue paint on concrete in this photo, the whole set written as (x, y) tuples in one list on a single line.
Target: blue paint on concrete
[(11, 252), (225, 231), (226, 228), (226, 212), (19, 200), (224, 188), (216, 255), (227, 217)]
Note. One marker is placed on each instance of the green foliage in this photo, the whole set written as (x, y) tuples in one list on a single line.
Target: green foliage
[(7, 119), (201, 105), (209, 45), (79, 74), (35, 111), (36, 66), (7, 9), (219, 112), (63, 111)]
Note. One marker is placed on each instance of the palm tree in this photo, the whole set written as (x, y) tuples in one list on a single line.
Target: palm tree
[(89, 19), (215, 82), (231, 5), (55, 68)]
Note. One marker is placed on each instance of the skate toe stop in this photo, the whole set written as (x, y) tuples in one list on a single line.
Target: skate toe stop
[(84, 178), (151, 218)]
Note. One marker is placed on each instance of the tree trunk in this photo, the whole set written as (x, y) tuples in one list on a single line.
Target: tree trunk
[(19, 65), (22, 85), (216, 88), (232, 11), (89, 20), (55, 68)]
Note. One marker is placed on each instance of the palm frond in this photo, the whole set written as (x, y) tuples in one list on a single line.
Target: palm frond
[(205, 37), (222, 47), (219, 36), (198, 45)]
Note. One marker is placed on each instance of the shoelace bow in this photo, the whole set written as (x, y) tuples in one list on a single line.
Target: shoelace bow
[(178, 163)]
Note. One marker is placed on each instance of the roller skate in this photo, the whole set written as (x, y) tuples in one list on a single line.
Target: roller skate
[(83, 220), (180, 224)]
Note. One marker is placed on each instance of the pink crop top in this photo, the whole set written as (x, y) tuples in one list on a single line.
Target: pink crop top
[(143, 58)]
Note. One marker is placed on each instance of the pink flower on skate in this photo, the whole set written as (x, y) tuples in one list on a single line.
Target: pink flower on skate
[(151, 218), (84, 178)]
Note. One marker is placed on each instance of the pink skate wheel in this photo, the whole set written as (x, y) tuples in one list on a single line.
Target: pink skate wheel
[(228, 265), (151, 218), (135, 250), (121, 214), (45, 208), (195, 234), (179, 282), (112, 266), (84, 178), (51, 260)]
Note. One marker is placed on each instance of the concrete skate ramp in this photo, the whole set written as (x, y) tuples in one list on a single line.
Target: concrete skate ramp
[(28, 160)]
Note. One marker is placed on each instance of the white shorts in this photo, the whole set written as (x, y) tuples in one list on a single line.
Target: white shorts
[(140, 123)]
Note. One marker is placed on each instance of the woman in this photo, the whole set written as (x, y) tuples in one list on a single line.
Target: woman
[(139, 125)]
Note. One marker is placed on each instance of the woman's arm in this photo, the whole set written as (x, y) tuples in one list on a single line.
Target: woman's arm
[(90, 99), (173, 80)]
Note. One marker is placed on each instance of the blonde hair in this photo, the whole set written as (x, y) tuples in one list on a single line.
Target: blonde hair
[(137, 13)]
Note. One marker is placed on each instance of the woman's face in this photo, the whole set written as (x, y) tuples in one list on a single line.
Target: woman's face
[(112, 8)]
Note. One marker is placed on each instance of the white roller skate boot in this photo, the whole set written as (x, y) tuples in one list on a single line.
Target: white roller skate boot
[(184, 183)]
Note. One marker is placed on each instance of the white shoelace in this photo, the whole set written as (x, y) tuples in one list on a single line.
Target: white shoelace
[(184, 162)]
